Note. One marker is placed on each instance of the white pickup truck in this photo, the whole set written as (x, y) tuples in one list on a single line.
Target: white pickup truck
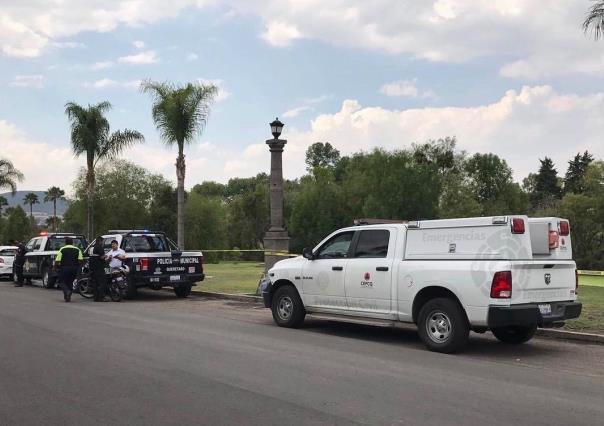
[(508, 274)]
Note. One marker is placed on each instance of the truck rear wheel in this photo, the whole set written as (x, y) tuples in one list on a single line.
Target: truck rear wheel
[(287, 307), (514, 334), (442, 325), (182, 290)]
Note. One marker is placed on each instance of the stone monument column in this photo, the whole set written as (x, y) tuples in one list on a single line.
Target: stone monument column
[(276, 238)]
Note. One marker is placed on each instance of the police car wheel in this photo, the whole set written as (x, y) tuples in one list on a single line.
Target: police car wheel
[(182, 291), (287, 307), (46, 278)]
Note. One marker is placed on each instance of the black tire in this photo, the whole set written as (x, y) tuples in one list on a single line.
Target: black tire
[(48, 281), (442, 325), (130, 291), (83, 286), (115, 293), (287, 307), (182, 290), (514, 334)]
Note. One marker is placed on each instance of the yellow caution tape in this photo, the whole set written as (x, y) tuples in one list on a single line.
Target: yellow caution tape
[(596, 273)]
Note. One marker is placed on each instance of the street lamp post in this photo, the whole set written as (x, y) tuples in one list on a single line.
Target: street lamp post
[(276, 238)]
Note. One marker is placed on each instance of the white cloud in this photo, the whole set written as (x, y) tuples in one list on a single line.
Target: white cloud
[(521, 127), (104, 83), (192, 57), (223, 93), (35, 81), (294, 112), (143, 58), (280, 34), (67, 44), (37, 168), (406, 88), (139, 44), (541, 41), (101, 65)]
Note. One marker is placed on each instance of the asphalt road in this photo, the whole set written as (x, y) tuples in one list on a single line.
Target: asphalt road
[(161, 360)]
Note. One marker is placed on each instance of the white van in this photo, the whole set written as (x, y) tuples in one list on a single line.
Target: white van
[(508, 274)]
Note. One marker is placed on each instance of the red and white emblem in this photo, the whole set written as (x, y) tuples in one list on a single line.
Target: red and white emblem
[(367, 276)]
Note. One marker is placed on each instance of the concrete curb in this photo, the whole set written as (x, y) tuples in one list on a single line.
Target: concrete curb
[(227, 296), (570, 335), (541, 332)]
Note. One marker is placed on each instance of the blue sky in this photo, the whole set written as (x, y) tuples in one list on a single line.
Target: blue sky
[(505, 76)]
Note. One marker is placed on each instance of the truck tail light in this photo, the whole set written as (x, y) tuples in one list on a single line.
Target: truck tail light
[(564, 228), (554, 240), (501, 287), (144, 264), (576, 282), (1, 260), (517, 225)]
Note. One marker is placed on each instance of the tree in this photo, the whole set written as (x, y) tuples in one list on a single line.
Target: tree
[(321, 155), (3, 203), (91, 136), (577, 167), (594, 21), (18, 226), (124, 196), (489, 175), (206, 222), (9, 176), (180, 113), (54, 194), (29, 200), (547, 189)]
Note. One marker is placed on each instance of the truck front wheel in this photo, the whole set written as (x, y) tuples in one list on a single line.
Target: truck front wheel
[(47, 280), (514, 334), (442, 325), (287, 307)]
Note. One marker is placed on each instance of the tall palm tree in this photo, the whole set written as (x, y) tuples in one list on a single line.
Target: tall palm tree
[(54, 194), (29, 200), (91, 136), (9, 176), (180, 113), (594, 20), (3, 203)]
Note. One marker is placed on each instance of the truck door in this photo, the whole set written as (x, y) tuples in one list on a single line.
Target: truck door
[(323, 277), (33, 257), (369, 271)]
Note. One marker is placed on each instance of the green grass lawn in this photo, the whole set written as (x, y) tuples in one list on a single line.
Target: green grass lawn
[(591, 280), (231, 277), (243, 277)]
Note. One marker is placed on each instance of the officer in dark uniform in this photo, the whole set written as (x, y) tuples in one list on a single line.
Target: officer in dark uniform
[(68, 262), (19, 262), (96, 263)]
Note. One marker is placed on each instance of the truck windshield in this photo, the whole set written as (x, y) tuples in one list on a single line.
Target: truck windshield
[(55, 243), (145, 243)]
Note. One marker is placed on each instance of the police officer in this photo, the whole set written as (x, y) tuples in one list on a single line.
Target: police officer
[(96, 264), (19, 262), (68, 261)]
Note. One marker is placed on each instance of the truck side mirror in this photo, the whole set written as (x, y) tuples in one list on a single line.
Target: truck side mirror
[(308, 254)]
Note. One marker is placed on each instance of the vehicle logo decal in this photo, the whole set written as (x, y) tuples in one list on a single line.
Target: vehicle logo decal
[(548, 278)]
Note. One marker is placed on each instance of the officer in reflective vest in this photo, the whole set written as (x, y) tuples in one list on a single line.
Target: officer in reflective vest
[(68, 262)]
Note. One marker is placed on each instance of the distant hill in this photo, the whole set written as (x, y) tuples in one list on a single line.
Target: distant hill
[(44, 209)]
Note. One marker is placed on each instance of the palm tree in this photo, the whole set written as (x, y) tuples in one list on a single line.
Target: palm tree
[(90, 135), (594, 20), (54, 194), (180, 113), (3, 203), (30, 199), (9, 176)]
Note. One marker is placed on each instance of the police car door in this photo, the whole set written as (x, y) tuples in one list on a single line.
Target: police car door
[(323, 277), (32, 257), (369, 271)]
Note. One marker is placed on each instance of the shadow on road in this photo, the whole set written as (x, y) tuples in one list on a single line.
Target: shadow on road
[(479, 346)]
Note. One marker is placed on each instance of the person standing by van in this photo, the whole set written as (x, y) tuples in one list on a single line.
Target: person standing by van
[(97, 269), (18, 264)]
